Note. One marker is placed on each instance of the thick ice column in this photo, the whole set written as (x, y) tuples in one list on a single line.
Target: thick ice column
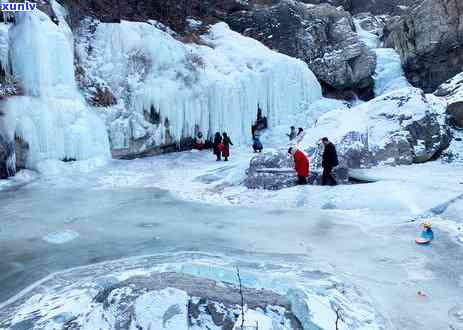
[(389, 75), (42, 55), (52, 117)]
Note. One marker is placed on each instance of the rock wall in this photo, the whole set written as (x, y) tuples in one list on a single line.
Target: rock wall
[(429, 39)]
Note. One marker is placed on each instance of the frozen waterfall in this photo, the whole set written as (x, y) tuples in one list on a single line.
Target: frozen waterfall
[(216, 86), (389, 75), (51, 118)]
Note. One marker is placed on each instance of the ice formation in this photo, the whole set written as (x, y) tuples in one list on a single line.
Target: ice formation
[(52, 117), (389, 75), (213, 87)]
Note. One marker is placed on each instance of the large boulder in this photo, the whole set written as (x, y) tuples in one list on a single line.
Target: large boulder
[(274, 171), (429, 39), (452, 91), (271, 170), (402, 127), (322, 35)]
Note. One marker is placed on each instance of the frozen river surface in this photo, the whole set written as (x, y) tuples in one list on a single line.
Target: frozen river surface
[(127, 209)]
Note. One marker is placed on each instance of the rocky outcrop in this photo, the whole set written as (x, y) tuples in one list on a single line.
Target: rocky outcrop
[(399, 128), (429, 39), (323, 36), (7, 158), (180, 301), (452, 91)]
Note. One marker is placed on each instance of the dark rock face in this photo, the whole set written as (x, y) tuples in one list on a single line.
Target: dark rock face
[(7, 158), (429, 39), (323, 36), (172, 13)]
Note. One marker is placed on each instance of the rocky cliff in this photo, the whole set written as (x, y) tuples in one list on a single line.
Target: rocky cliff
[(323, 36), (429, 39)]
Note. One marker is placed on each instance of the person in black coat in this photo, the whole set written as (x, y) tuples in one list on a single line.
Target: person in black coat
[(217, 144), (330, 160), (226, 146)]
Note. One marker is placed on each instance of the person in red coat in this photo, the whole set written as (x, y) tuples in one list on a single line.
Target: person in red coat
[(301, 164)]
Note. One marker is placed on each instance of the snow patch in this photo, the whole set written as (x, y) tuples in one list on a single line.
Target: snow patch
[(61, 237)]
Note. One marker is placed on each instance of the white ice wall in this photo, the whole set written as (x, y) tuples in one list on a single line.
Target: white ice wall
[(216, 87), (52, 116), (389, 75), (42, 55)]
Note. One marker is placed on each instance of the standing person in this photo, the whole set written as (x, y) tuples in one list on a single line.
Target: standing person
[(256, 144), (217, 146), (292, 133), (330, 160), (200, 142), (301, 164), (226, 146), (254, 130), (300, 135)]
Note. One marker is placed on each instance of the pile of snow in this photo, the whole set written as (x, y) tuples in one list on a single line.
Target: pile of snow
[(167, 90), (61, 237), (52, 118)]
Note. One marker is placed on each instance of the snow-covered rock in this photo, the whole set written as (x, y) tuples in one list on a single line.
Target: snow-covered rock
[(171, 301), (402, 127), (275, 170), (167, 90), (452, 91)]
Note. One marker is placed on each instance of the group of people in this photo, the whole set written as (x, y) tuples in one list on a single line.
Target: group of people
[(222, 142), (329, 161), (296, 136), (221, 146)]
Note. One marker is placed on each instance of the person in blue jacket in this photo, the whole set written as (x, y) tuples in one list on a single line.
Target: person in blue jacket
[(256, 144), (427, 232)]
